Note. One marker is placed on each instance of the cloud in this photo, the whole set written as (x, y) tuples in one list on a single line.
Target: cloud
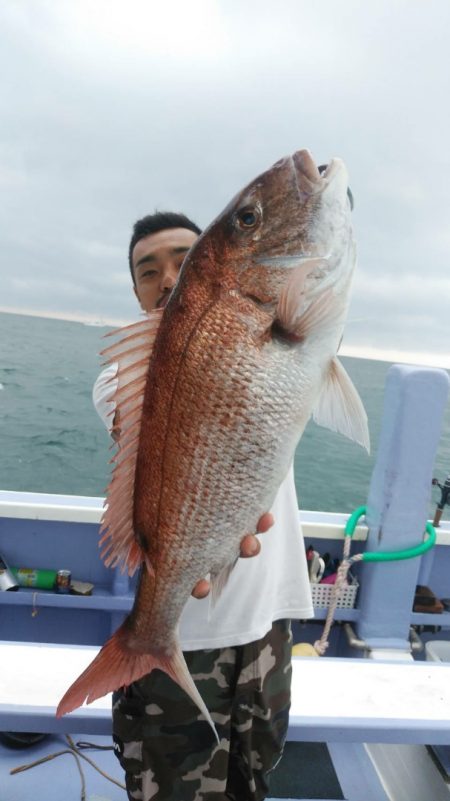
[(107, 112)]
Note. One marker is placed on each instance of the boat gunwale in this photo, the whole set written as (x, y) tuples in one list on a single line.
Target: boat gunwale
[(89, 509)]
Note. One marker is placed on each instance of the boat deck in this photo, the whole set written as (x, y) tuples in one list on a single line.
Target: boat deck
[(305, 772), (370, 702)]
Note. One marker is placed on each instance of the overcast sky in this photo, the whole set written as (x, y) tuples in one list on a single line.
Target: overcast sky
[(110, 109)]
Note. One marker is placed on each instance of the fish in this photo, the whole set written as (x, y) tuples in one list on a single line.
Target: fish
[(214, 392)]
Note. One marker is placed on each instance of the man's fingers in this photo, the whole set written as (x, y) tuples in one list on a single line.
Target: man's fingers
[(250, 546), (201, 589), (265, 522)]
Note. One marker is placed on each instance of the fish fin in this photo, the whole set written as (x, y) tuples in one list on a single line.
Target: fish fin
[(219, 581), (132, 352), (117, 665), (340, 408), (322, 313)]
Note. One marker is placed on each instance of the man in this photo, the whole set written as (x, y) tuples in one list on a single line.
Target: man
[(238, 653)]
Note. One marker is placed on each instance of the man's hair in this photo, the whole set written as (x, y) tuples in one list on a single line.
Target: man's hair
[(152, 224)]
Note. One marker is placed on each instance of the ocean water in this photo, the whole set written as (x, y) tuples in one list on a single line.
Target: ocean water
[(52, 440)]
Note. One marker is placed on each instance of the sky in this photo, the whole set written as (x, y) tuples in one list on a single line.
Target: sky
[(110, 110)]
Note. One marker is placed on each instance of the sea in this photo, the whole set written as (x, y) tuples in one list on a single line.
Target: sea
[(52, 441)]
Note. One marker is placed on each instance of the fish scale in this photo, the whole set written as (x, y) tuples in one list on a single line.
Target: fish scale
[(250, 446), (213, 395)]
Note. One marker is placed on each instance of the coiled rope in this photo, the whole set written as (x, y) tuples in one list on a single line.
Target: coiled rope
[(76, 752)]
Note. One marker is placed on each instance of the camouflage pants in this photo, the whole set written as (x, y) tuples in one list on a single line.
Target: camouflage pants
[(169, 754)]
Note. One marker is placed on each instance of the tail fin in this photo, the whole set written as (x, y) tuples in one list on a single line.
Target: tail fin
[(117, 665)]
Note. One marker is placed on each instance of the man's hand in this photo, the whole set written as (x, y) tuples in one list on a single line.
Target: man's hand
[(250, 546)]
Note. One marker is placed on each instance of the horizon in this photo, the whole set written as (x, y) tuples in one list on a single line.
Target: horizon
[(390, 355)]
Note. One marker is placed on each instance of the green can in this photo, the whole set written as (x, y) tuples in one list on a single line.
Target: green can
[(31, 577)]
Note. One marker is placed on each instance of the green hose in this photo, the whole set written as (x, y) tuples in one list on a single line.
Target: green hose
[(390, 556)]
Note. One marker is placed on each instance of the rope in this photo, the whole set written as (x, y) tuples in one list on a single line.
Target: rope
[(85, 746), (48, 758), (92, 763), (74, 750), (321, 645)]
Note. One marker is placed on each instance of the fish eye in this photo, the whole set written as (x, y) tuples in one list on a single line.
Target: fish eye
[(247, 218)]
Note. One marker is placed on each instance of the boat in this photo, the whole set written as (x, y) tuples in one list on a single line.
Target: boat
[(371, 718)]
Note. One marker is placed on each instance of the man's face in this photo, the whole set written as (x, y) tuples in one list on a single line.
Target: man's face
[(156, 262)]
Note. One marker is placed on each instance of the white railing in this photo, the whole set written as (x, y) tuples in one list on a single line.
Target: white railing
[(86, 509)]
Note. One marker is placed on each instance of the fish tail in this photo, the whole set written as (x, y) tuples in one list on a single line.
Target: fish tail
[(118, 665)]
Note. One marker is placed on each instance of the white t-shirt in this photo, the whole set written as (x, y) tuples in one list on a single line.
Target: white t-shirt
[(271, 586)]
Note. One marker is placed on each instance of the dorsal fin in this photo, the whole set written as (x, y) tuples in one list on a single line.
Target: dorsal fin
[(131, 352)]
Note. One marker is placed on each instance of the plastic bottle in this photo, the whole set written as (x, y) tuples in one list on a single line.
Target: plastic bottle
[(30, 577)]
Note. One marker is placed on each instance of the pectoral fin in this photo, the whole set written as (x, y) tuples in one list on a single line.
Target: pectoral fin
[(340, 408), (219, 581)]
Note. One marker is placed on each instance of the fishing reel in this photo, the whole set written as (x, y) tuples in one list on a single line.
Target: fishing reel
[(445, 498)]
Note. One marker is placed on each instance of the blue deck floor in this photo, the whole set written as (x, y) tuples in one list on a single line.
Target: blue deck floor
[(305, 772)]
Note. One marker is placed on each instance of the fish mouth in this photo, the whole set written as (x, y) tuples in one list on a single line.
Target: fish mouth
[(305, 166), (328, 171), (312, 180)]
